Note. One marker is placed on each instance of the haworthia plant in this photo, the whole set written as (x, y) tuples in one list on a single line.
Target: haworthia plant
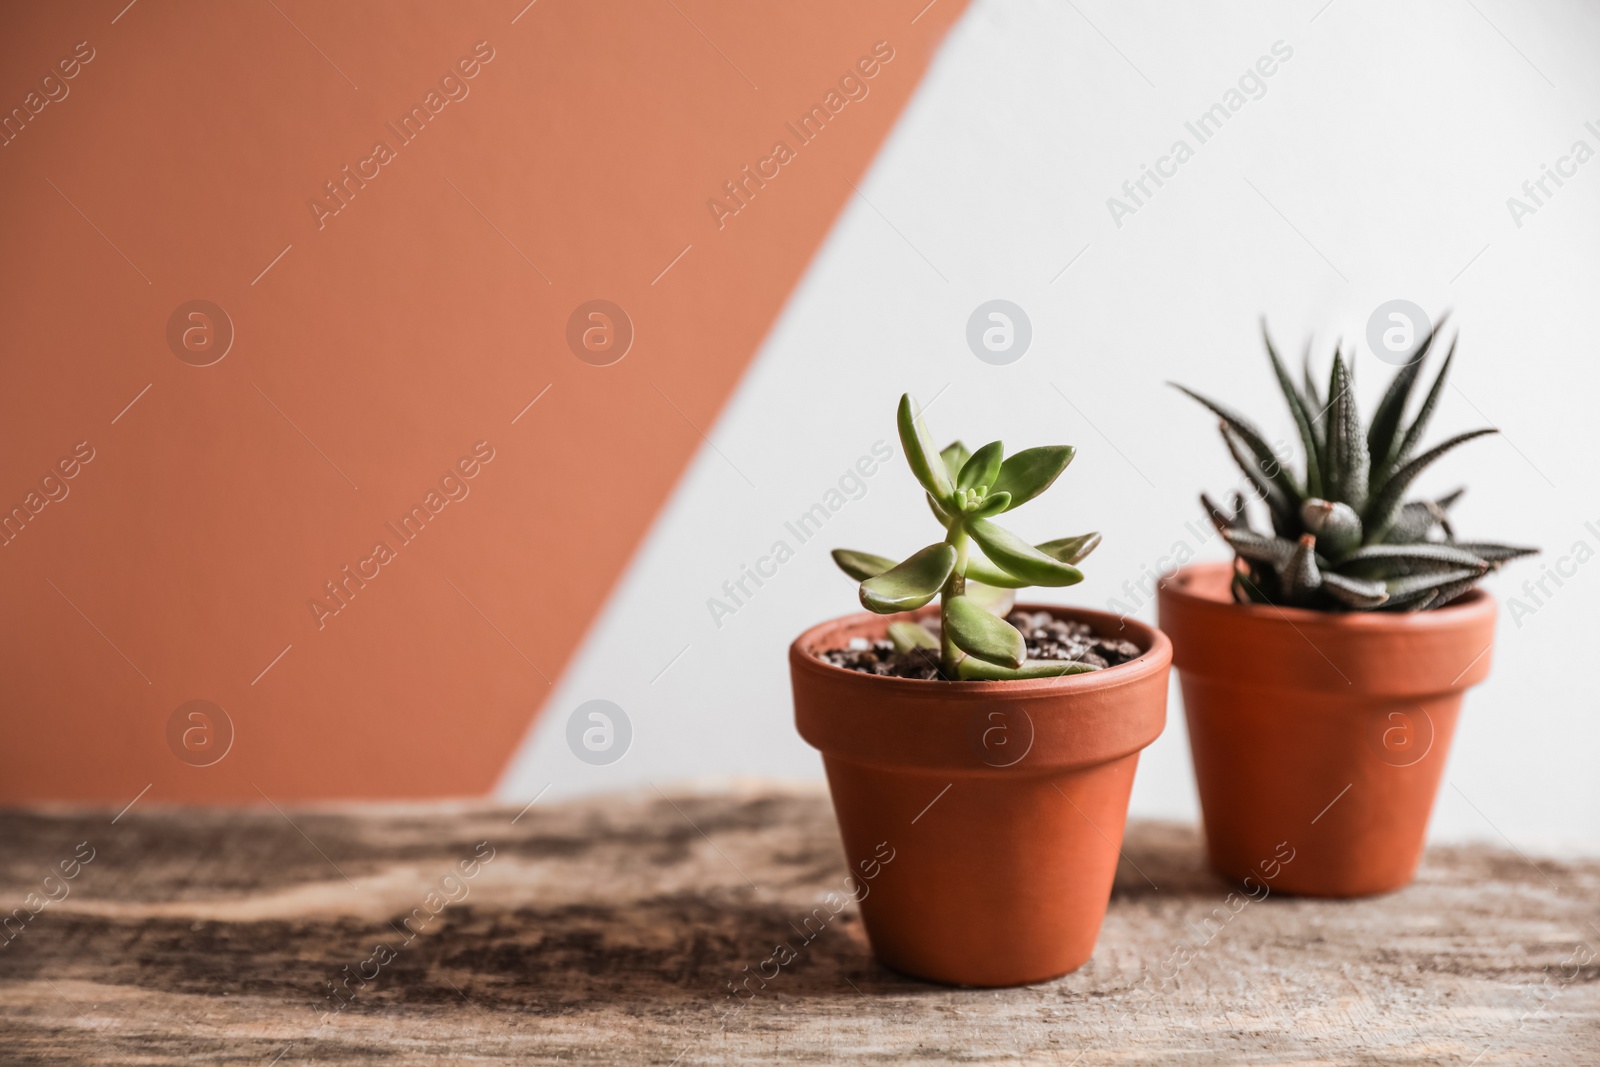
[(1343, 536), (977, 567)]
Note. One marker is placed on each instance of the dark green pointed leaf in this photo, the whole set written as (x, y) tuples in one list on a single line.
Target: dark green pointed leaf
[(1417, 592), (1345, 476), (955, 456), (982, 468), (1246, 590), (1015, 556), (1419, 425), (1222, 518), (1395, 561), (861, 565), (1354, 592), (1314, 403), (1030, 472), (912, 583), (1251, 545), (1446, 593), (976, 670), (1301, 576), (1493, 553), (1385, 506), (1302, 417), (1219, 518), (911, 635), (921, 456), (1282, 508), (1416, 521), (1383, 435), (1071, 549), (978, 633), (1266, 460)]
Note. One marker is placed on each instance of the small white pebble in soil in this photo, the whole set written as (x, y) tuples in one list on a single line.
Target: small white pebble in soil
[(859, 644)]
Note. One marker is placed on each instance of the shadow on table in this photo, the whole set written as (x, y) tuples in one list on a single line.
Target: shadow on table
[(1165, 859), (683, 950)]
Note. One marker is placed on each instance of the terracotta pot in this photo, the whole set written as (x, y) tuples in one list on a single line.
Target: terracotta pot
[(1328, 732), (981, 820)]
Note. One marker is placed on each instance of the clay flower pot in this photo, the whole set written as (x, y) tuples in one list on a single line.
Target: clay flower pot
[(999, 805), (1325, 731)]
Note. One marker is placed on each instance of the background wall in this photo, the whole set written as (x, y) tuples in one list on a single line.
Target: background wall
[(420, 318), (1375, 163), (294, 296)]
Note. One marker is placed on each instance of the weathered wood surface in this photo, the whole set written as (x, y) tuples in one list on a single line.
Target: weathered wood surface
[(607, 931)]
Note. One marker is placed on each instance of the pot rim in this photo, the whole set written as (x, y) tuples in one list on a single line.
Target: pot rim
[(1156, 657), (1468, 608)]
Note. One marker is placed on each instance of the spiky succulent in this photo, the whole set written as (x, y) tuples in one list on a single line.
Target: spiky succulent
[(979, 565), (1343, 536)]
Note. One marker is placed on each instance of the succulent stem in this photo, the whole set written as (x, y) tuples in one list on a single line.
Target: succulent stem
[(954, 586)]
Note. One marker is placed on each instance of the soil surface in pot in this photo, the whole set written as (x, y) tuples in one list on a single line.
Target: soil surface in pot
[(1047, 637)]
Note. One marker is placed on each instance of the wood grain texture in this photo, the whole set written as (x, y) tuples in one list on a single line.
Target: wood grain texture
[(609, 930)]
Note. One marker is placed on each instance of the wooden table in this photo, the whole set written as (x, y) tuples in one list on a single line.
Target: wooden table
[(607, 931)]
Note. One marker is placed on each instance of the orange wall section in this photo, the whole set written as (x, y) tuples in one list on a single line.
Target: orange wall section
[(379, 352)]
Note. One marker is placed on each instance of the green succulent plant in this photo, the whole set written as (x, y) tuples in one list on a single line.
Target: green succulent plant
[(978, 566), (1343, 536)]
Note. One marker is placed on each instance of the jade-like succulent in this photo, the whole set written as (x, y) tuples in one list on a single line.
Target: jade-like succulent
[(1343, 536), (977, 567)]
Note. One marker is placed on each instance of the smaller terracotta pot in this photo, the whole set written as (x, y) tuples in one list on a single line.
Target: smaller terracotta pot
[(1323, 732), (981, 820)]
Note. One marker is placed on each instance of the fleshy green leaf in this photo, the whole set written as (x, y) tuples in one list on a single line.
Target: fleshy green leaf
[(979, 633), (921, 456), (982, 468), (1071, 550), (981, 570), (1381, 512), (976, 670), (1030, 472), (910, 635), (1015, 556), (944, 517), (993, 504), (992, 598), (955, 456), (912, 583), (861, 565)]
